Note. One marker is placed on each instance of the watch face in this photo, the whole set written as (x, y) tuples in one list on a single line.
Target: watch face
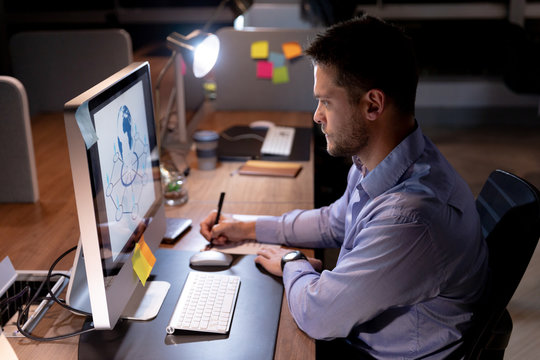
[(290, 255)]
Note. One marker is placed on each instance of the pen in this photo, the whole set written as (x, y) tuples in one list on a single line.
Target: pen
[(218, 215)]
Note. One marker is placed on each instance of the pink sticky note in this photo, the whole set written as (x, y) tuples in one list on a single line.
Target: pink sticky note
[(264, 69), (183, 66)]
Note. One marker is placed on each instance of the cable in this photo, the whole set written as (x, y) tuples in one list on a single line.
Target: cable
[(241, 137), (52, 295), (25, 290), (23, 313)]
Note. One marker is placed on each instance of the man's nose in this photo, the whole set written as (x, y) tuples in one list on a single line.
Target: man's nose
[(318, 116)]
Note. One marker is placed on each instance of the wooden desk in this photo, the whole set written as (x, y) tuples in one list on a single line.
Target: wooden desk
[(34, 235)]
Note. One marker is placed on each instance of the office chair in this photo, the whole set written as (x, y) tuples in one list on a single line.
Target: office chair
[(55, 66), (509, 209), (18, 182)]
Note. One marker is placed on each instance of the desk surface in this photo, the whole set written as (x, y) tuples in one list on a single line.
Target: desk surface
[(34, 235)]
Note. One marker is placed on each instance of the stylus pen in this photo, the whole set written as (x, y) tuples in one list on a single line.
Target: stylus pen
[(219, 207)]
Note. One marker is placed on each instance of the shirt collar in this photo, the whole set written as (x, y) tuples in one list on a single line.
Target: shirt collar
[(387, 173)]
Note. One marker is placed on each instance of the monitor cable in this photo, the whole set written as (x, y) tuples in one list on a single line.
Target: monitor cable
[(23, 314), (241, 137)]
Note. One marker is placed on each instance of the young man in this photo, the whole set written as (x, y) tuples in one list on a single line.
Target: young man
[(412, 260)]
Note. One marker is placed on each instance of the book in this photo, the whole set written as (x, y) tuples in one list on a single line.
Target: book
[(270, 168)]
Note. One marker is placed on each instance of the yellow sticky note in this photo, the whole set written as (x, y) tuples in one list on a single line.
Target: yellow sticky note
[(259, 49), (291, 49), (145, 250), (280, 75), (143, 261)]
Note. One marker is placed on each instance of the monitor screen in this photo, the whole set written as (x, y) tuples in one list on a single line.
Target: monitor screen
[(115, 167), (121, 169)]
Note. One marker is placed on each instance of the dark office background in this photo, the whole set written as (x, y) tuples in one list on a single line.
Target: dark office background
[(444, 47), (456, 47)]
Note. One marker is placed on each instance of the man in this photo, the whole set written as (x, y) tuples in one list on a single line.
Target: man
[(412, 262)]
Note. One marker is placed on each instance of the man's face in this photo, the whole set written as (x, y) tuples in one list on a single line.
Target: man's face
[(344, 127)]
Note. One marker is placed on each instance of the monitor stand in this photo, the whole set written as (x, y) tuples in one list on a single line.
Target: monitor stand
[(146, 301)]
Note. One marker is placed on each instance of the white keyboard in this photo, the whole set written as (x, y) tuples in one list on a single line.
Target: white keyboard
[(206, 303), (278, 141)]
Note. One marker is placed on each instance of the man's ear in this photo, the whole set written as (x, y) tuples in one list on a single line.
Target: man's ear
[(374, 103)]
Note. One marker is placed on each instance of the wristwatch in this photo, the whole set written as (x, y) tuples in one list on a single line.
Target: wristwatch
[(292, 256)]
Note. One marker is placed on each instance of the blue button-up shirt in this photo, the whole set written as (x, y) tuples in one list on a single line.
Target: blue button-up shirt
[(412, 259)]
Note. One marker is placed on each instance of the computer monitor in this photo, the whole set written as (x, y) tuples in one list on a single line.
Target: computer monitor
[(115, 167)]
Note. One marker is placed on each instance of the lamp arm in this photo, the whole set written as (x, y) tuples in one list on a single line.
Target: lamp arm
[(164, 70), (158, 98), (214, 15)]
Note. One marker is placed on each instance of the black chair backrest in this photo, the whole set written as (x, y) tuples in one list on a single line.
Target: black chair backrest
[(509, 209)]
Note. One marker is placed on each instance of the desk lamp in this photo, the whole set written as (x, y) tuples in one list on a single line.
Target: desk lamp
[(202, 49)]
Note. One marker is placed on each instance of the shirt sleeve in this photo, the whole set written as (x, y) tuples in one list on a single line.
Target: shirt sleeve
[(389, 266), (318, 228)]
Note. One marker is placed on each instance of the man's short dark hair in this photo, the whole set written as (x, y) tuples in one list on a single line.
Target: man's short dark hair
[(368, 53)]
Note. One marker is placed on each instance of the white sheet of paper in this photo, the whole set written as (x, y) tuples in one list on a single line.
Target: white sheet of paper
[(245, 247)]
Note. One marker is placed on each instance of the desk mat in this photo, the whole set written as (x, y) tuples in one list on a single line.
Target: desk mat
[(253, 329), (250, 148)]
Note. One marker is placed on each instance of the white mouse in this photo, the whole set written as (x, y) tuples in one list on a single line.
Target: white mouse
[(261, 124), (210, 258)]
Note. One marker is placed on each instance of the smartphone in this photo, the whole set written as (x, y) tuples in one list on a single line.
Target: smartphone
[(175, 228)]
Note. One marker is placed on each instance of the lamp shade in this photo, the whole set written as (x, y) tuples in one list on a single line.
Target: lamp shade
[(202, 47), (205, 55)]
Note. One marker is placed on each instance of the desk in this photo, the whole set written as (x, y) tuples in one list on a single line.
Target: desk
[(34, 235)]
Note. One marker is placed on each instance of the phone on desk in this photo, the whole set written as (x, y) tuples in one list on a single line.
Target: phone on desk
[(175, 228)]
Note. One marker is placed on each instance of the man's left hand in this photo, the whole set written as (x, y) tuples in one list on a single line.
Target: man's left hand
[(270, 259)]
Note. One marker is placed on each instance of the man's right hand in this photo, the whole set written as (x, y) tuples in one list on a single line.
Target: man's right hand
[(227, 230)]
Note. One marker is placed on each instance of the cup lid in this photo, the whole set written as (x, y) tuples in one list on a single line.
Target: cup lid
[(205, 135)]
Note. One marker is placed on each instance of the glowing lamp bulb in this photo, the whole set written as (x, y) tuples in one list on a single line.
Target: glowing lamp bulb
[(205, 56)]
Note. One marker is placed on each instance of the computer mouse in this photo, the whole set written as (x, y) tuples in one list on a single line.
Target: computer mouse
[(210, 258), (261, 124)]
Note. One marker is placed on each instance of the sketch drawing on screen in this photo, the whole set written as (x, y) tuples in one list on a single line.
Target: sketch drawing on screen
[(129, 189)]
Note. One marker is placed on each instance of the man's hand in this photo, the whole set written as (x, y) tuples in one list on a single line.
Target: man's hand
[(270, 259), (227, 229)]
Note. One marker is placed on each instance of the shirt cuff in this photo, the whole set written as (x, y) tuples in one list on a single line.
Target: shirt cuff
[(266, 229), (293, 270)]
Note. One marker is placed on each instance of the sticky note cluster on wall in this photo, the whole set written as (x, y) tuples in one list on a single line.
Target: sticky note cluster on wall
[(273, 65)]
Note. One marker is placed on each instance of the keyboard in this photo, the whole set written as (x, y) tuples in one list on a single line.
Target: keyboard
[(278, 141), (206, 303)]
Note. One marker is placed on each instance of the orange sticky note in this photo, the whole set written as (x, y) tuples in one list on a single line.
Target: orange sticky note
[(143, 261), (259, 50), (291, 49)]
